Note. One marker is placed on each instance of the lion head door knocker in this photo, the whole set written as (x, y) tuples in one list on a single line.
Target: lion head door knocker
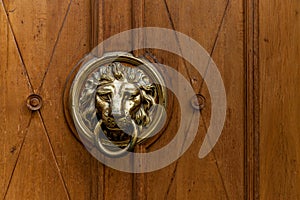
[(115, 102)]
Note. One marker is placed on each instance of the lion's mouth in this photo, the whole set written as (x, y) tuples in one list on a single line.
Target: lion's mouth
[(117, 131)]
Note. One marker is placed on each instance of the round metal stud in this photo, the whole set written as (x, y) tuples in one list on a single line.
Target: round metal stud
[(34, 102), (198, 102)]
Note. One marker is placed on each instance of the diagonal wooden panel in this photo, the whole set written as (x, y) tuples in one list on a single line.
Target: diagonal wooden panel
[(78, 167), (197, 19), (36, 175), (15, 116), (200, 178), (37, 25), (202, 21), (228, 54), (187, 178), (205, 22)]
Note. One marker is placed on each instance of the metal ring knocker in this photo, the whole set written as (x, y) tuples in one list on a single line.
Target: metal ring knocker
[(114, 102), (101, 147)]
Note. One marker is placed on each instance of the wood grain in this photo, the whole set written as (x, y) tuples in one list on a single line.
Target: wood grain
[(36, 175), (279, 43), (223, 37), (42, 41), (37, 26), (252, 122), (229, 57), (116, 18), (77, 166), (15, 117)]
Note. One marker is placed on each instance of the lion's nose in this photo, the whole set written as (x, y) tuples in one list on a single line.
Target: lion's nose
[(117, 116), (116, 113), (116, 106)]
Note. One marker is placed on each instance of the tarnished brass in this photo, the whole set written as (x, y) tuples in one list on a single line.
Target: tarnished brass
[(113, 102), (34, 102)]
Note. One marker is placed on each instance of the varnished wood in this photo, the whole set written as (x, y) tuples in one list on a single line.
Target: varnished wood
[(215, 182), (59, 148), (37, 26), (87, 178), (15, 117), (139, 179), (251, 43), (255, 45), (279, 79), (36, 172), (138, 17), (66, 148)]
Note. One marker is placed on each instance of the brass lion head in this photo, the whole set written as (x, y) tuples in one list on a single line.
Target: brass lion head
[(124, 96)]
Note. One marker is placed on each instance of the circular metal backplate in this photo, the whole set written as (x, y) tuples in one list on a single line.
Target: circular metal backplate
[(83, 89)]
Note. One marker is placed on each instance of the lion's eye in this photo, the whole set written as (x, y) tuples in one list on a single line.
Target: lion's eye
[(131, 96), (105, 97)]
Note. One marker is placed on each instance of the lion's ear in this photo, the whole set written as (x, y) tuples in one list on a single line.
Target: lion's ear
[(148, 94), (150, 90), (153, 91)]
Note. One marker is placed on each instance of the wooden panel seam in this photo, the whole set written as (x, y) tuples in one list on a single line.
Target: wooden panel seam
[(251, 47), (95, 37)]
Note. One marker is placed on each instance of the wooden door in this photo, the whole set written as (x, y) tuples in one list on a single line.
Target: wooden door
[(256, 48)]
